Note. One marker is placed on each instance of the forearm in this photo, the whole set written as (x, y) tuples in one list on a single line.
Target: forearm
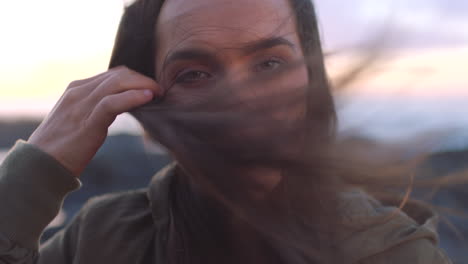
[(32, 188)]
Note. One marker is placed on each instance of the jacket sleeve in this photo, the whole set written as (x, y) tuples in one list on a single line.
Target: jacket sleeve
[(33, 186), (419, 251)]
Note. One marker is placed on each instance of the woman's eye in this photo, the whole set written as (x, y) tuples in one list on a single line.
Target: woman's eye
[(192, 77), (268, 65)]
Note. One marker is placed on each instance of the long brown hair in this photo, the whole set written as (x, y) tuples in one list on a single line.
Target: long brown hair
[(135, 47), (297, 223)]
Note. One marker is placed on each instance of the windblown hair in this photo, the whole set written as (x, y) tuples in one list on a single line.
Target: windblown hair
[(213, 137)]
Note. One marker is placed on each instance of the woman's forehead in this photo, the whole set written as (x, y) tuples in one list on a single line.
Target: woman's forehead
[(174, 9), (222, 22)]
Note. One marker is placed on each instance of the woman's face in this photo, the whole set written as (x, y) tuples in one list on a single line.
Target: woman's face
[(203, 42)]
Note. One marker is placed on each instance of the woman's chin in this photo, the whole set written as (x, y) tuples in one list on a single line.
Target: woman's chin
[(260, 182)]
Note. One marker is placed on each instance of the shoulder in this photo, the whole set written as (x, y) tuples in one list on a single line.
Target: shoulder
[(114, 218), (109, 211), (119, 202), (371, 229), (109, 228), (419, 251)]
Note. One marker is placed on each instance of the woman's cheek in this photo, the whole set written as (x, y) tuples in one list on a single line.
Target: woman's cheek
[(287, 92), (181, 96)]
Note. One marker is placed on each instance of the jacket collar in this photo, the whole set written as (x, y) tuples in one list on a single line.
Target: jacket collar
[(158, 195), (159, 192), (360, 238)]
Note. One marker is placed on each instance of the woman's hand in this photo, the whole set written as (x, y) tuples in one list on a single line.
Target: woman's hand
[(77, 126)]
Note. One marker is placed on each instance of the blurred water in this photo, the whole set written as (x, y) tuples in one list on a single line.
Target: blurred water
[(386, 119), (397, 119)]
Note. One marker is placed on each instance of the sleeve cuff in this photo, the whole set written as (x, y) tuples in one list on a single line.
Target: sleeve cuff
[(33, 186)]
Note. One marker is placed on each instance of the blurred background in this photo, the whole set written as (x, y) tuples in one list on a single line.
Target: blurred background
[(412, 95)]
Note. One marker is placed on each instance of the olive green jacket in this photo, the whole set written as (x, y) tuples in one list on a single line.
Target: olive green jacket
[(132, 227)]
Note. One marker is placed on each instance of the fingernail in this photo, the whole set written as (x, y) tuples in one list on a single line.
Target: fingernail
[(148, 93)]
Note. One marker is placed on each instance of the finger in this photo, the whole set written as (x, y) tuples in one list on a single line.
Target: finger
[(110, 106), (88, 85), (79, 90), (76, 92), (97, 78), (124, 80)]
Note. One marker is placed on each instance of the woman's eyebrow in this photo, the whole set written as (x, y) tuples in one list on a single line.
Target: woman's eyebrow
[(267, 43), (192, 55)]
